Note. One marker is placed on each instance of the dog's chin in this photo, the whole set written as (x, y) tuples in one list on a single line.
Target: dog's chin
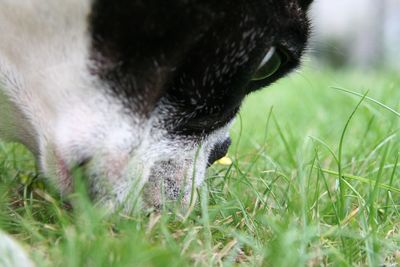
[(121, 183)]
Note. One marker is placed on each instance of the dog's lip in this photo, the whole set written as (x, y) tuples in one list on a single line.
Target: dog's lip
[(64, 175), (63, 168)]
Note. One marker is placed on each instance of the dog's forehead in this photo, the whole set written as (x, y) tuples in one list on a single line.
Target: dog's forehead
[(189, 59)]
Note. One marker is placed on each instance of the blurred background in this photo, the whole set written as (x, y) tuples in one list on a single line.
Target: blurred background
[(358, 33)]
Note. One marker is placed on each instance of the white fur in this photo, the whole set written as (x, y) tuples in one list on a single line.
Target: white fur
[(55, 107), (12, 254)]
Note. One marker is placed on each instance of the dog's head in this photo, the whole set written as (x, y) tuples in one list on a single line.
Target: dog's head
[(166, 80)]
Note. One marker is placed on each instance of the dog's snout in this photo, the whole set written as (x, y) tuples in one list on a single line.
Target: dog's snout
[(219, 151)]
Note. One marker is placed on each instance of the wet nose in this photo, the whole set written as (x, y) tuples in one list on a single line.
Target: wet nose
[(219, 151)]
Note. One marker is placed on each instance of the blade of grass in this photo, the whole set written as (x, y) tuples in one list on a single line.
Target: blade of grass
[(368, 98), (342, 187), (363, 180)]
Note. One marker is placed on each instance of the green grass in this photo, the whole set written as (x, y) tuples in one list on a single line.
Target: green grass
[(314, 183)]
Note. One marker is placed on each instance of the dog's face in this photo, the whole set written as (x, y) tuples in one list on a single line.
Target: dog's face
[(166, 79)]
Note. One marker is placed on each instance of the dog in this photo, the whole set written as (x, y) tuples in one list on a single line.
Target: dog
[(139, 94)]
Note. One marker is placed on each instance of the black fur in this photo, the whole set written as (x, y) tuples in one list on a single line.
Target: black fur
[(305, 4), (192, 59)]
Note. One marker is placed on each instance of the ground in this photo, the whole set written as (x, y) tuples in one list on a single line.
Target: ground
[(314, 182)]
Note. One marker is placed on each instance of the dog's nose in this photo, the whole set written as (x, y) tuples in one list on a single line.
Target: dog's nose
[(219, 151)]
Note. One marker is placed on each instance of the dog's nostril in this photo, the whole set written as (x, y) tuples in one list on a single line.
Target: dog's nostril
[(219, 151)]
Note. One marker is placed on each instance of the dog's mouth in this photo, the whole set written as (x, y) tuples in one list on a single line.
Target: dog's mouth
[(120, 178)]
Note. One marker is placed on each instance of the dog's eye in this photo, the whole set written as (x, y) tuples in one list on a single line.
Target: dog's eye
[(269, 65)]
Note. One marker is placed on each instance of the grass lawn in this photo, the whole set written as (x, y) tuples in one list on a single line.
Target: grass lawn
[(314, 182)]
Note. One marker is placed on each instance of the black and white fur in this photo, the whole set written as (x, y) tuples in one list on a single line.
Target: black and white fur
[(139, 93)]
